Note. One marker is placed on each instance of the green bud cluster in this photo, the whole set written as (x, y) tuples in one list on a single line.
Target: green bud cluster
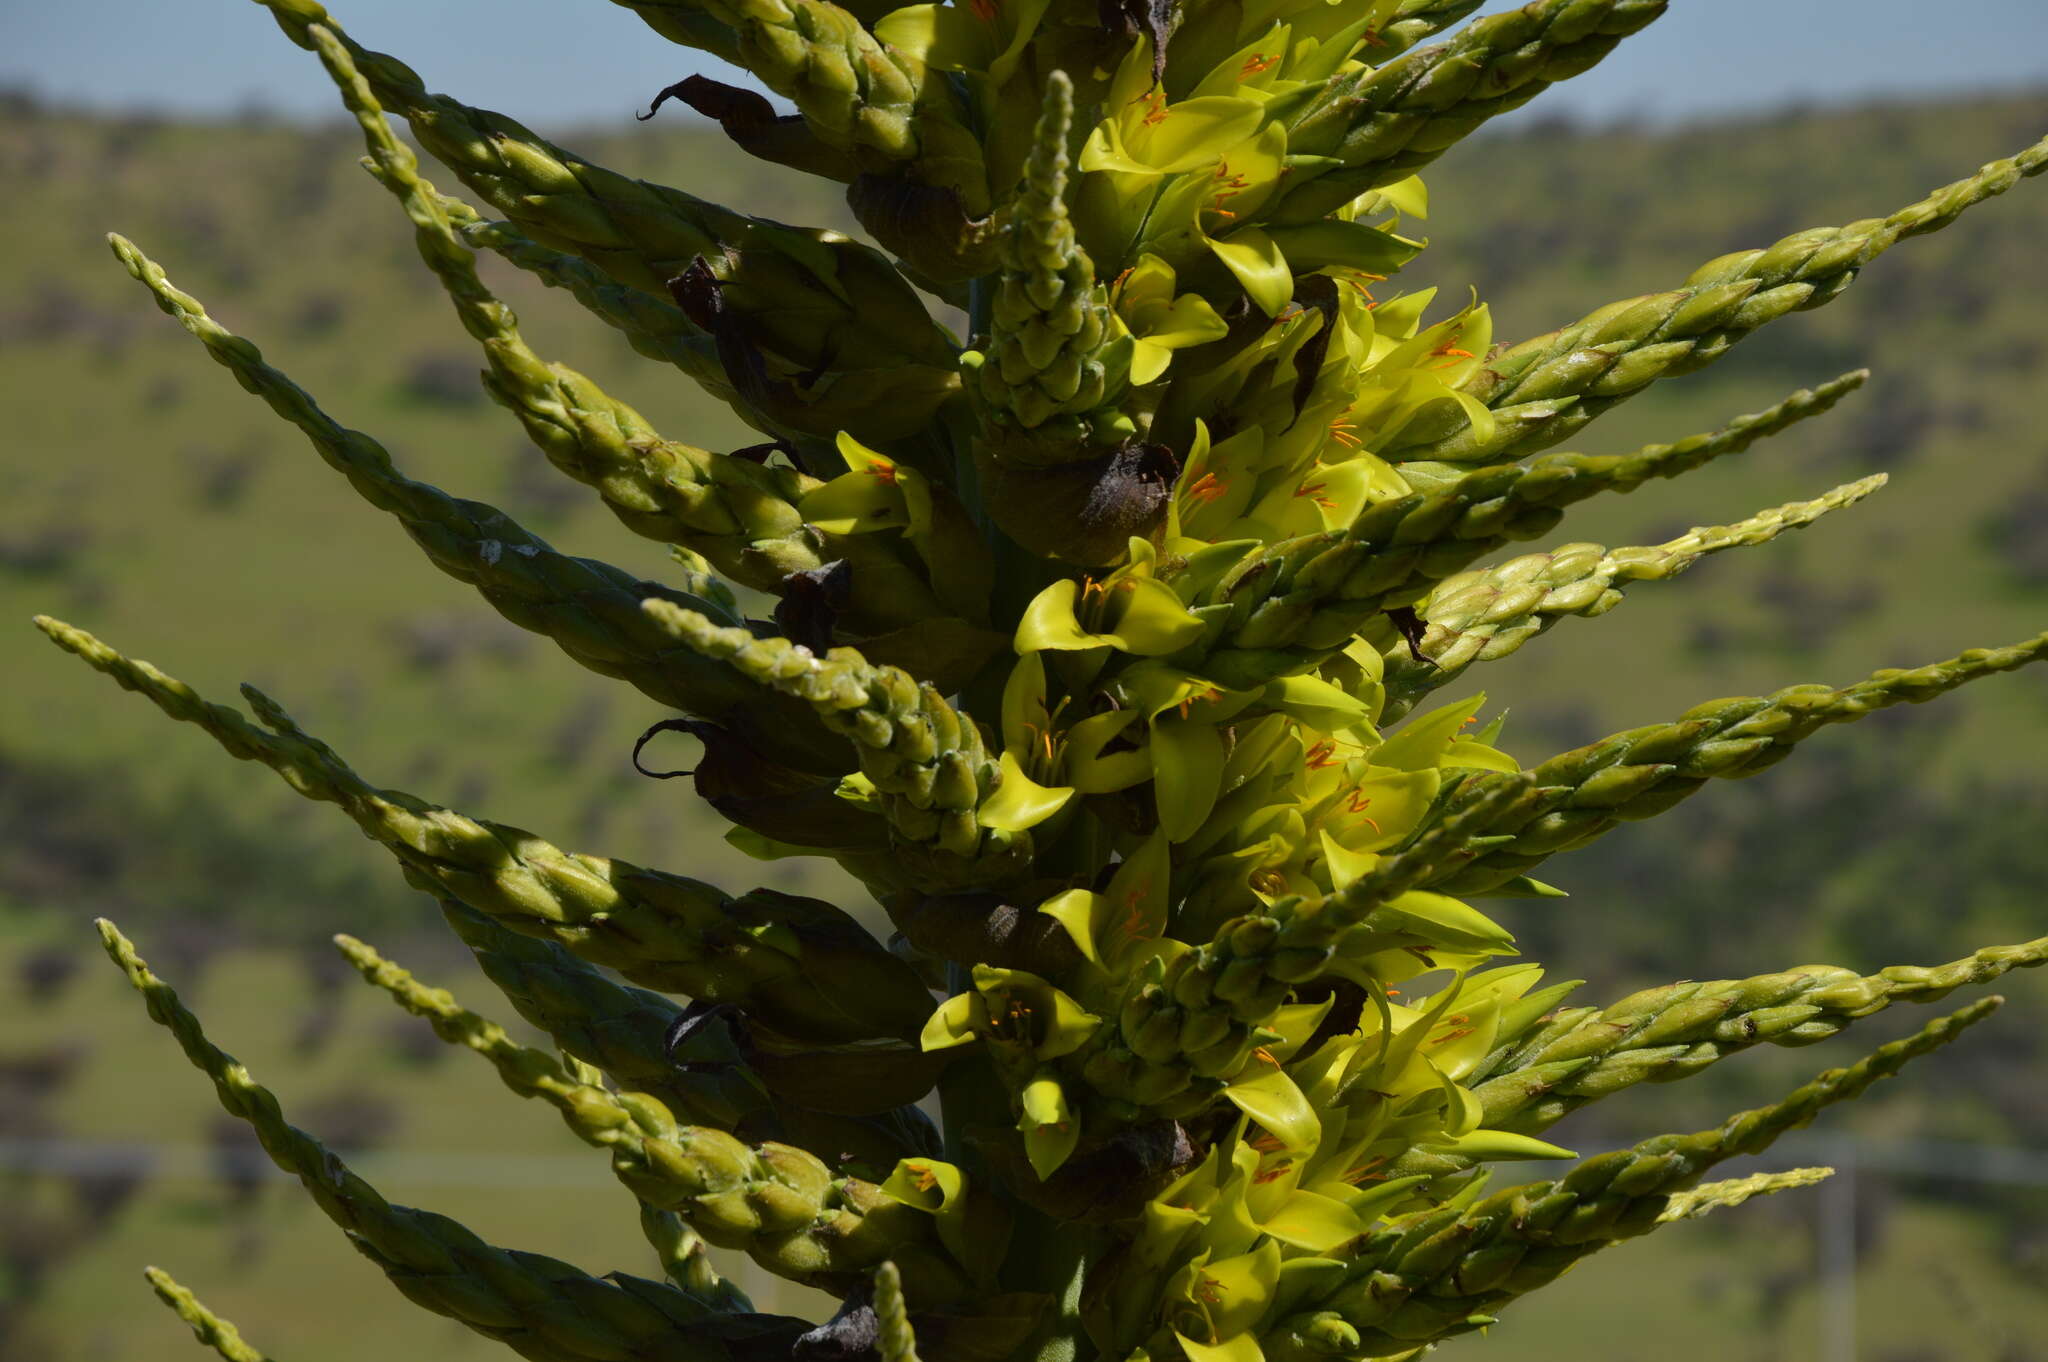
[(1099, 640), (1049, 317)]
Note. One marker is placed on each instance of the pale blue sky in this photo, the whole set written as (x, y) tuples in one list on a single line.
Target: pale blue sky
[(555, 62)]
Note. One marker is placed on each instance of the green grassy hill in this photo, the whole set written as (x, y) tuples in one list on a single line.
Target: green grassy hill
[(150, 500)]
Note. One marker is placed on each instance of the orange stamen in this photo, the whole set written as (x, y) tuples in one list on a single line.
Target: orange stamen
[(1314, 492), (1321, 755), (1232, 186), (1257, 64), (1359, 281), (883, 472), (1208, 487), (1364, 1173), (1155, 104), (1450, 349)]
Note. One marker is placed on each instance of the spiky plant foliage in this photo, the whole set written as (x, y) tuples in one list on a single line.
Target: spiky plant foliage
[(1101, 636)]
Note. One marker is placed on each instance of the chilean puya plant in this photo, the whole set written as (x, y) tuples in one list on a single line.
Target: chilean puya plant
[(1102, 652)]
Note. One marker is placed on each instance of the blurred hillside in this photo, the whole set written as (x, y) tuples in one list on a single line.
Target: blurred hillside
[(149, 500)]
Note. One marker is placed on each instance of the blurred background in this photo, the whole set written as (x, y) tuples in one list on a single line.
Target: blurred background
[(149, 500)]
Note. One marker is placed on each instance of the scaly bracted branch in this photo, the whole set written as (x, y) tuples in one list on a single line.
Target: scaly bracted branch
[(1295, 602), (685, 1257), (739, 514), (590, 609), (788, 961), (209, 1328), (853, 90), (778, 1203), (1544, 389), (654, 326), (540, 1306), (614, 1027), (1416, 21), (924, 757), (1582, 793), (815, 298), (1581, 1054), (1485, 615), (1446, 1272), (1386, 122), (625, 1032), (894, 1339)]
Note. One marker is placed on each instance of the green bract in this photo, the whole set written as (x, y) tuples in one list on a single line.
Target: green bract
[(1102, 631)]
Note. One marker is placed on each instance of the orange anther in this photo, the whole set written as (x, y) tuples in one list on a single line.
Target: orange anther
[(1257, 64), (1450, 1036), (1321, 755), (1314, 492), (1265, 1056), (1155, 108), (883, 472), (923, 1176), (1357, 802), (1364, 1173), (1208, 487)]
